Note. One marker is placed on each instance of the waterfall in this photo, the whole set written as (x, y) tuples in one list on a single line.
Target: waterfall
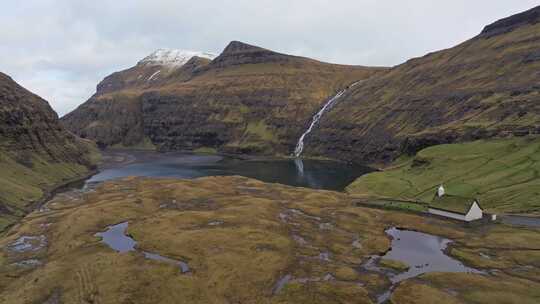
[(299, 166), (317, 117)]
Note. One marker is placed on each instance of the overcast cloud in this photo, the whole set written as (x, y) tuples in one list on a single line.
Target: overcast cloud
[(60, 49)]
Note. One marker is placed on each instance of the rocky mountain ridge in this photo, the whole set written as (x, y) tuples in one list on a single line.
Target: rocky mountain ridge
[(173, 58), (506, 25), (253, 100), (246, 100)]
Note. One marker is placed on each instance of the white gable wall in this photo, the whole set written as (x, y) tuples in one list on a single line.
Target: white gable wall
[(475, 213), (453, 215)]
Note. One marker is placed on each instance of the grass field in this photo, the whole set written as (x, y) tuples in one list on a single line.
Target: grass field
[(240, 237), (502, 174)]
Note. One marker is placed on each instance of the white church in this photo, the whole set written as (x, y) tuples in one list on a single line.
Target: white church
[(455, 207)]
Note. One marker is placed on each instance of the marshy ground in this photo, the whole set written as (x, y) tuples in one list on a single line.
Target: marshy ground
[(246, 241)]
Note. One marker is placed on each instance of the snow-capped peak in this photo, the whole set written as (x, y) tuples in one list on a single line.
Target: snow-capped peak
[(173, 58)]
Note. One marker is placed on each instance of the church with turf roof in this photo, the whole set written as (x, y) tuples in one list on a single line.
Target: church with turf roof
[(455, 207)]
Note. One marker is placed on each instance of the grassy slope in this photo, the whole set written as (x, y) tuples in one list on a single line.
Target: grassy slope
[(502, 173), (241, 259), (36, 153), (20, 185), (481, 85)]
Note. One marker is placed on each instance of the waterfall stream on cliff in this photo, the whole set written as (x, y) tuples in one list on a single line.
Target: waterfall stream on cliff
[(317, 117)]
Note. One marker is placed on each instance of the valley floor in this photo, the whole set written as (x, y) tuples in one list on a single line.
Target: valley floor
[(241, 238)]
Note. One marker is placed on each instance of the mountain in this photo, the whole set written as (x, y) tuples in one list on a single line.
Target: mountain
[(173, 58), (486, 87), (246, 100), (37, 154), (253, 100)]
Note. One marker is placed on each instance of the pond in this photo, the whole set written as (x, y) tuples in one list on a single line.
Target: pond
[(317, 174), (422, 252), (115, 237)]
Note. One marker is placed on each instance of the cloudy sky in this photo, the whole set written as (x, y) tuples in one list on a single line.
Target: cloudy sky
[(60, 49)]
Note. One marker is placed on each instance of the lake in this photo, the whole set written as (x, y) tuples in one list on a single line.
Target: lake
[(317, 174)]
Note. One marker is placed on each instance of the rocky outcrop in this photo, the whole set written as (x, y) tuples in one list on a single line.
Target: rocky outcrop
[(36, 151), (246, 100), (506, 25), (483, 88), (108, 120), (237, 53)]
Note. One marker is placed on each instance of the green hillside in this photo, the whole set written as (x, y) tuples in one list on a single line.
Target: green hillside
[(502, 174), (21, 184)]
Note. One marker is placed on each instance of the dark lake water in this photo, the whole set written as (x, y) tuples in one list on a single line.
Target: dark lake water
[(302, 173)]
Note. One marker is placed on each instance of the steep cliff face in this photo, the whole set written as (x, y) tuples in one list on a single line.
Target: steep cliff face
[(36, 152), (486, 87), (246, 100), (253, 100)]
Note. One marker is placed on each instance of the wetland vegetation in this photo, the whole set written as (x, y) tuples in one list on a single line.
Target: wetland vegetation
[(240, 237)]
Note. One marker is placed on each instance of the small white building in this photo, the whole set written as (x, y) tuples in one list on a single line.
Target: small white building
[(455, 207)]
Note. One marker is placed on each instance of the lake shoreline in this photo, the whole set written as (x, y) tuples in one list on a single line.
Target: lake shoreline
[(316, 174)]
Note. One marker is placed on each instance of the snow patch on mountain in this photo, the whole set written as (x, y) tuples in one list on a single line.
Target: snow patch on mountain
[(153, 75), (173, 58)]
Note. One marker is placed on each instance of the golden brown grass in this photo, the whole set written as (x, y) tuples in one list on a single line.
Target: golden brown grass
[(264, 232)]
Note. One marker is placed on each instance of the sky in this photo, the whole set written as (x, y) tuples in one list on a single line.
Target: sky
[(61, 49)]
